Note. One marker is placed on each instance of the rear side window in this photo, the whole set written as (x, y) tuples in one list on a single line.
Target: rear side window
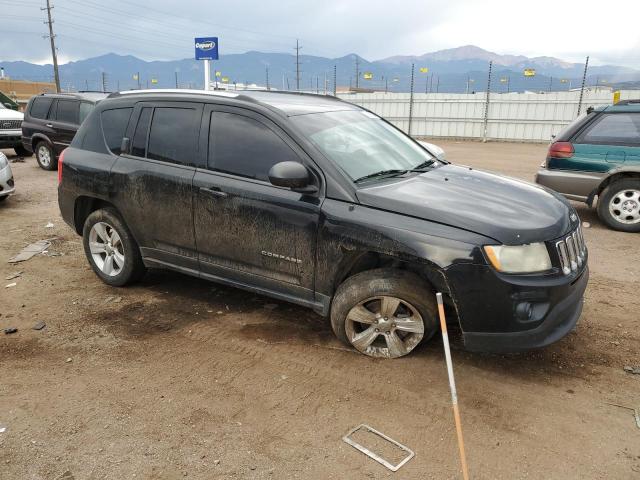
[(139, 144), (68, 111), (85, 110), (172, 137), (243, 146), (621, 128), (114, 125), (40, 107)]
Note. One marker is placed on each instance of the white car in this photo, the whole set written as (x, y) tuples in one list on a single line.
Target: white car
[(11, 131), (434, 149), (6, 178)]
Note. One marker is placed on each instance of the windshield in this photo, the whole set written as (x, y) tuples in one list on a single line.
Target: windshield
[(361, 143)]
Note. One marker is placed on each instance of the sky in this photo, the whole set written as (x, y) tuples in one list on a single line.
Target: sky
[(374, 29)]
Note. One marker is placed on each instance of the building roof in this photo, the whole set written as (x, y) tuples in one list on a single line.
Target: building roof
[(21, 91), (288, 103)]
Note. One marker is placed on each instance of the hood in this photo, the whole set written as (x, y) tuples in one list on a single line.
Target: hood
[(510, 211), (8, 114)]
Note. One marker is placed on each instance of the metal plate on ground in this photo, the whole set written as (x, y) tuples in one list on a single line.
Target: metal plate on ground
[(409, 454)]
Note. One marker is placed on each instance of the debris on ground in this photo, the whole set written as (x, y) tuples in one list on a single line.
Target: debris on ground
[(52, 254), (39, 325), (3, 429), (30, 250), (10, 285), (400, 453), (586, 224), (10, 330), (49, 225), (632, 370), (69, 360), (16, 160), (13, 275)]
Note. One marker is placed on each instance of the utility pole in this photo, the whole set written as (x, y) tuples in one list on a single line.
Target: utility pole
[(584, 79), (176, 74), (53, 45), (550, 82), (104, 82), (486, 104), (267, 75), (357, 71), (411, 100), (335, 86), (298, 47)]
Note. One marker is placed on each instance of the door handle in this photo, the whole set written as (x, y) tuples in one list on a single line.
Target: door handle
[(50, 125), (213, 191)]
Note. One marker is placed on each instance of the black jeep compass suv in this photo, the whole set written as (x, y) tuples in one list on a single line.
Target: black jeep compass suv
[(313, 200)]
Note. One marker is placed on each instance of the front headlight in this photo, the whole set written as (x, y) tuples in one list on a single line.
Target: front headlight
[(519, 259), (3, 161)]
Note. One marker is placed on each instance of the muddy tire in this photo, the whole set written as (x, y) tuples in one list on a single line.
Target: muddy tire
[(110, 248), (384, 312), (619, 205), (45, 156)]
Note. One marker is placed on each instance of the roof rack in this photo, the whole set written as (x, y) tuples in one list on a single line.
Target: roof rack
[(152, 91)]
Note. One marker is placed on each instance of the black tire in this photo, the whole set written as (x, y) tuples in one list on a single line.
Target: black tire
[(3, 198), (133, 268), (41, 158), (21, 151), (620, 187), (382, 282)]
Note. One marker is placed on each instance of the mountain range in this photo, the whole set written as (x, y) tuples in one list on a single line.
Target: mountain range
[(451, 70)]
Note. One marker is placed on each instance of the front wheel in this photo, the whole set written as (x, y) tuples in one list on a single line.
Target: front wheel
[(111, 249), (384, 313), (619, 205), (45, 156)]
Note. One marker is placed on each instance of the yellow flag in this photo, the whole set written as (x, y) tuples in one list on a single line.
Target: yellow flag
[(504, 80), (154, 80), (135, 76), (424, 70), (225, 79), (218, 73), (367, 75), (563, 80), (529, 72)]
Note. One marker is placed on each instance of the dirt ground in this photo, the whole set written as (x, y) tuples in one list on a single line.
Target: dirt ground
[(177, 377)]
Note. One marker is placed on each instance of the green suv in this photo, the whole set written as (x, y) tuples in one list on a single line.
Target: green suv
[(598, 155)]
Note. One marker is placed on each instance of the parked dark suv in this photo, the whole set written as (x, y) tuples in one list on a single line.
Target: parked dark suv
[(51, 121), (319, 202)]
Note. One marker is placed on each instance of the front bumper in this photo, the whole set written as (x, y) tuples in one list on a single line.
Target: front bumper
[(7, 185), (492, 316), (574, 185), (10, 138)]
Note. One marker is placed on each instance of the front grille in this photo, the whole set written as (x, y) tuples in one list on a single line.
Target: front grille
[(10, 124), (572, 251)]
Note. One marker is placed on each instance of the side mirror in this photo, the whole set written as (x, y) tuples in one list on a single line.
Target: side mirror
[(292, 175), (124, 146)]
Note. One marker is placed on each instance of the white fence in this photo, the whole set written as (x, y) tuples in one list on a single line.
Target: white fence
[(521, 117)]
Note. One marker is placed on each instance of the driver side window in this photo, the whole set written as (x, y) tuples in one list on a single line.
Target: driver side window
[(243, 146)]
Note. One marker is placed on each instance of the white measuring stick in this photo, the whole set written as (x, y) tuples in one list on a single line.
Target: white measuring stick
[(452, 386)]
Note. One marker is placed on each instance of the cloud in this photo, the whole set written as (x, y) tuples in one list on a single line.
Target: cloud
[(375, 29)]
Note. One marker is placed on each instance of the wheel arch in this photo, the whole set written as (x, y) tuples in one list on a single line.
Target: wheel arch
[(85, 206), (39, 137), (614, 177)]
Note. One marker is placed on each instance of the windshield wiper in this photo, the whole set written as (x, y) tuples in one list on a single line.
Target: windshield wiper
[(420, 167), (382, 173)]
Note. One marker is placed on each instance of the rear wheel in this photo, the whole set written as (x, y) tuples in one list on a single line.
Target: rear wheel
[(21, 151), (384, 312), (619, 205), (110, 248), (45, 156)]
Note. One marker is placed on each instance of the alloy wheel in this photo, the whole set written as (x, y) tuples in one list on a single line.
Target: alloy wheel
[(624, 207), (384, 326), (106, 248), (44, 155)]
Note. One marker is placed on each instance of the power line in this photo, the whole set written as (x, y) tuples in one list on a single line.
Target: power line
[(357, 71), (53, 45)]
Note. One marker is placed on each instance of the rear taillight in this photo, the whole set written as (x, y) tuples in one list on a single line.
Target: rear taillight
[(560, 150), (60, 165)]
